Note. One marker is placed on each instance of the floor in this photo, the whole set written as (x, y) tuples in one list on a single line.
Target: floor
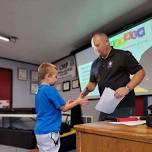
[(4, 148)]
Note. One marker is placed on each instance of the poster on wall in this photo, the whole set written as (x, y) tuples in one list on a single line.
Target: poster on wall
[(66, 68)]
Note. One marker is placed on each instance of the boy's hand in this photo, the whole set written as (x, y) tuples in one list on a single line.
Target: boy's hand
[(82, 101)]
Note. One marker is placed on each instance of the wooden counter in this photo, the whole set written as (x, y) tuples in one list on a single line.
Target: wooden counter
[(106, 137)]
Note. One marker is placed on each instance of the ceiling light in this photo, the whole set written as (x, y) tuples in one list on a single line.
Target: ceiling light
[(4, 38), (8, 38)]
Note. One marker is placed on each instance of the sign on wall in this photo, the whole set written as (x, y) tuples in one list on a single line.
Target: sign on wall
[(66, 68)]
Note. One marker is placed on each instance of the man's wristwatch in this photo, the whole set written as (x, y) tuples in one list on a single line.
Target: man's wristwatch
[(129, 89)]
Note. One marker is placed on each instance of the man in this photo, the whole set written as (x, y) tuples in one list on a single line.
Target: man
[(112, 69)]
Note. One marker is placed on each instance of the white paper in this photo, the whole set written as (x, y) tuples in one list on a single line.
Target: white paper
[(130, 123), (108, 102)]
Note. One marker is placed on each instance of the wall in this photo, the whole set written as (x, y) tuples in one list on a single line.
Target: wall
[(22, 98)]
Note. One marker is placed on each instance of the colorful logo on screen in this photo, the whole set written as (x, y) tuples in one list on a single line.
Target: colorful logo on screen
[(131, 35)]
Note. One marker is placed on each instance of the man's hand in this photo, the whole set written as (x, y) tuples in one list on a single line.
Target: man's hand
[(121, 92), (82, 94), (90, 87)]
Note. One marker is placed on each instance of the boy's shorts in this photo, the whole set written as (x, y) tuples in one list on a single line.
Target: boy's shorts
[(48, 142)]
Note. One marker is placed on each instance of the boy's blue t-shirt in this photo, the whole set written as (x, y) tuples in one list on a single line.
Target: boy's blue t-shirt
[(48, 102)]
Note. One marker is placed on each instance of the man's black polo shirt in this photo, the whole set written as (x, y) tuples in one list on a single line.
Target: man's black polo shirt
[(114, 72)]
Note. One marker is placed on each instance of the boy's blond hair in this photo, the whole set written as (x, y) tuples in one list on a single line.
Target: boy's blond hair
[(46, 68)]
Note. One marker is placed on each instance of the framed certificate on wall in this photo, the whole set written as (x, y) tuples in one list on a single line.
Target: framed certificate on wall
[(22, 74), (34, 76), (66, 86), (33, 88), (75, 84)]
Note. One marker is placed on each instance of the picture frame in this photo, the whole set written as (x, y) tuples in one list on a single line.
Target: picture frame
[(66, 86), (33, 88), (58, 86), (75, 84), (34, 75), (22, 74)]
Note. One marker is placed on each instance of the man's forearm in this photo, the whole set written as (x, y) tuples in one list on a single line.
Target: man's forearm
[(137, 78), (85, 92), (90, 87)]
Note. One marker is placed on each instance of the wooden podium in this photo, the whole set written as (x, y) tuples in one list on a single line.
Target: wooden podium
[(106, 137)]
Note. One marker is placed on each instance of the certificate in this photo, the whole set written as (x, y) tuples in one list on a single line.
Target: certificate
[(22, 74), (108, 102)]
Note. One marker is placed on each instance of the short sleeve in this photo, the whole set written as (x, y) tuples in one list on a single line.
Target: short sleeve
[(131, 64), (54, 97), (93, 73)]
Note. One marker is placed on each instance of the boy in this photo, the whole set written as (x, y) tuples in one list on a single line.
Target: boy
[(49, 105)]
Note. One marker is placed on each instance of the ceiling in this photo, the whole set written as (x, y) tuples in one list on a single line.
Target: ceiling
[(48, 30)]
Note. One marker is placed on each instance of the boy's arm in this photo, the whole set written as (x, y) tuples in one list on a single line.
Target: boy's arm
[(72, 103)]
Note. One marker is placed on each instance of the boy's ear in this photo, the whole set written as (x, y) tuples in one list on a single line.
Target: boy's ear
[(47, 76)]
